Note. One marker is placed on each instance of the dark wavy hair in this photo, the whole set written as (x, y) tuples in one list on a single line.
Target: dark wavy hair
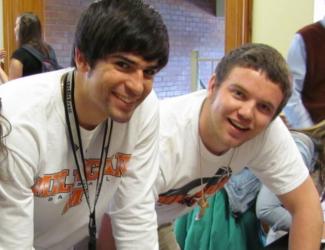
[(112, 26)]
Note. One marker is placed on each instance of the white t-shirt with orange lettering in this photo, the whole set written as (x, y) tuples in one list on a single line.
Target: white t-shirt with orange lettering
[(41, 198)]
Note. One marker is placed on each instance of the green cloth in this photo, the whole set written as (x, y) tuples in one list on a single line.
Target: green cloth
[(218, 229)]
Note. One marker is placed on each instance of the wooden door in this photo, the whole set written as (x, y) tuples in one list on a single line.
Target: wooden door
[(12, 9), (238, 23)]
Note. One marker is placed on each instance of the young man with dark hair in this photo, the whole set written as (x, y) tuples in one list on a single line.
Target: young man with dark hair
[(234, 124), (86, 138)]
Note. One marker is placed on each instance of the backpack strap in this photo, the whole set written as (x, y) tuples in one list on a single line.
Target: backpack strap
[(52, 57), (40, 56), (34, 52)]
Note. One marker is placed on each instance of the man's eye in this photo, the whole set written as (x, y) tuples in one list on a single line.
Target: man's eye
[(123, 65), (150, 72), (265, 108), (238, 94)]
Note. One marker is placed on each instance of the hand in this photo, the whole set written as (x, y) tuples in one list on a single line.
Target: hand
[(2, 54)]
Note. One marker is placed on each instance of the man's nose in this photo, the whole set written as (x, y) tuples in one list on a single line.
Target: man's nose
[(136, 82), (246, 111)]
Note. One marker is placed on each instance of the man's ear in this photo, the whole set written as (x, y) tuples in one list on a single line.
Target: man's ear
[(80, 61), (212, 85)]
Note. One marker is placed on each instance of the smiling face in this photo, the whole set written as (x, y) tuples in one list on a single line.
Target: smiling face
[(113, 88), (238, 109)]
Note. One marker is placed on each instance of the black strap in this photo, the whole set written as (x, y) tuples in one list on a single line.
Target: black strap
[(40, 56), (76, 144), (34, 52)]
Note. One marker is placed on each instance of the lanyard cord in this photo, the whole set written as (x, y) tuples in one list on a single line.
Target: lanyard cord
[(76, 144)]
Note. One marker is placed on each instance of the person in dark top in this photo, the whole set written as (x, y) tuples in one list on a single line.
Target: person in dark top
[(28, 31)]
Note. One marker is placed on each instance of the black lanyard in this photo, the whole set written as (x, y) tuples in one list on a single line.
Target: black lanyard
[(76, 145)]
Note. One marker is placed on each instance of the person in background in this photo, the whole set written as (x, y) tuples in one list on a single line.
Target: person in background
[(86, 138), (275, 218), (307, 64), (28, 32)]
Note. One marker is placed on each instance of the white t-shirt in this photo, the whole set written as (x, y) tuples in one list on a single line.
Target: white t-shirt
[(272, 156), (41, 200)]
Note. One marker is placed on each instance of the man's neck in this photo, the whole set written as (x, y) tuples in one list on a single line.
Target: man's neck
[(206, 132)]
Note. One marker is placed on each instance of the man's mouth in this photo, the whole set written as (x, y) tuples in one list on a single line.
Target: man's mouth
[(238, 125), (126, 99)]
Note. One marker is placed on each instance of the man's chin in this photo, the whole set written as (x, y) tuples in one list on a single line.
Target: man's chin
[(121, 118), (232, 143)]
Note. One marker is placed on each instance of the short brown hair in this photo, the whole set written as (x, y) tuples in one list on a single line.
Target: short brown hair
[(259, 57)]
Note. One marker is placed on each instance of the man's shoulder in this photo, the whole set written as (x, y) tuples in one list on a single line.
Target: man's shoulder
[(23, 94), (272, 136), (148, 108), (177, 113), (182, 105), (190, 98)]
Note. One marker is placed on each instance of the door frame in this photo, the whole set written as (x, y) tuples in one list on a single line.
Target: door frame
[(238, 23)]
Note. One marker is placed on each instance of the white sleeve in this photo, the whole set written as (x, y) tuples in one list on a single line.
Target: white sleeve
[(16, 196), (132, 210), (295, 110), (278, 162)]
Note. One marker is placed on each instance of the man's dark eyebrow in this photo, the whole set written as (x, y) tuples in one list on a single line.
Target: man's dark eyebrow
[(121, 57), (124, 58), (237, 86)]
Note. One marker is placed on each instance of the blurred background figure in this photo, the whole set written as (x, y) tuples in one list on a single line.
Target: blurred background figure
[(307, 65), (28, 32)]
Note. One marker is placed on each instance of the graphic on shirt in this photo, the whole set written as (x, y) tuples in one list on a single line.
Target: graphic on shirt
[(58, 185), (185, 196)]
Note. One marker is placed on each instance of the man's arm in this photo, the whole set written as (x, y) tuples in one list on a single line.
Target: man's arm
[(132, 211), (295, 110), (307, 218), (16, 204)]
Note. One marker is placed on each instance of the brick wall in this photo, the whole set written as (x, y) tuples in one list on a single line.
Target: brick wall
[(60, 20), (192, 25)]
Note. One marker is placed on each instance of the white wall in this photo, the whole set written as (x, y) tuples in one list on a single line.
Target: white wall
[(276, 21), (319, 9)]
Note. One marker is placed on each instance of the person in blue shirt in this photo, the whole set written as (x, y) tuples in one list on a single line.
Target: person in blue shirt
[(296, 111)]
